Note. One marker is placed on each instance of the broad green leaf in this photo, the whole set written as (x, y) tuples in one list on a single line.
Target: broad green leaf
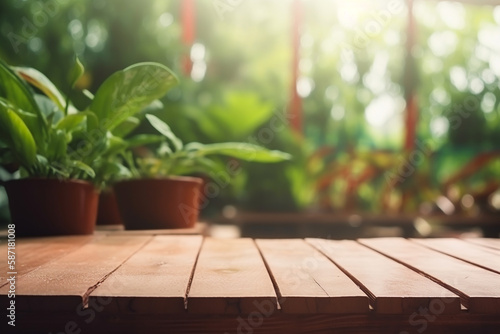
[(165, 130), (125, 127), (30, 119), (48, 108), (92, 120), (15, 90), (127, 92), (40, 81), (71, 122), (76, 72), (153, 107), (244, 151), (17, 136)]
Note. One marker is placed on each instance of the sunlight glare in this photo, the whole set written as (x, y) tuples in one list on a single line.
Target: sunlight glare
[(439, 126), (385, 112), (452, 14), (304, 86), (458, 78)]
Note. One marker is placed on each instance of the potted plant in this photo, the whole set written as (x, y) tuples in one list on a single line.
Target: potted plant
[(59, 149), (160, 195), (110, 170)]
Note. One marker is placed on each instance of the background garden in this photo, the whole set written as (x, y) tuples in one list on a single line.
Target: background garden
[(352, 69)]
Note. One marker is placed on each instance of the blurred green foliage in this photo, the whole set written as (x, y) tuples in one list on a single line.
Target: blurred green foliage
[(352, 66)]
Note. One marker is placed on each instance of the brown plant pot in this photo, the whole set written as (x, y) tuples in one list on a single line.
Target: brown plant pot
[(107, 211), (161, 203), (41, 207)]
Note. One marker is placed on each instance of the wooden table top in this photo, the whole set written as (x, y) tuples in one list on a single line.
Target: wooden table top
[(116, 282)]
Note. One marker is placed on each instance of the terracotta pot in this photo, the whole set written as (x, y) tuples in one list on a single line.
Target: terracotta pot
[(161, 203), (40, 207), (107, 211)]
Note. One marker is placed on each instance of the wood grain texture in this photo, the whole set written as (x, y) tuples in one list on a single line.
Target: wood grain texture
[(231, 277), (32, 253), (477, 287), (154, 280), (307, 281), (65, 283), (485, 242), (392, 287), (465, 251)]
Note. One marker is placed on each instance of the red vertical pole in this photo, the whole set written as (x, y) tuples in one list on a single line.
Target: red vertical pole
[(295, 104), (188, 32), (409, 83)]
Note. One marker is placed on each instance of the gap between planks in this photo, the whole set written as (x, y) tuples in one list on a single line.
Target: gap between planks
[(230, 278), (63, 283), (306, 281), (467, 252), (488, 243), (155, 279), (192, 274), (273, 280), (85, 297), (392, 287), (477, 287)]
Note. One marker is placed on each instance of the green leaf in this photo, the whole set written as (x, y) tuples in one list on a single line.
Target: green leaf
[(114, 145), (113, 170), (88, 94), (125, 127), (30, 119), (76, 72), (15, 133), (71, 122), (234, 119), (153, 107), (92, 121), (57, 146), (244, 151), (40, 81), (197, 165), (49, 109), (15, 90), (165, 130), (127, 92), (83, 167), (140, 140)]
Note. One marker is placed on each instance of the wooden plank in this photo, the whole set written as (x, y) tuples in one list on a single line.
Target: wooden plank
[(106, 323), (307, 281), (477, 287), (485, 242), (465, 251), (154, 280), (66, 282), (32, 253), (392, 287), (230, 278)]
